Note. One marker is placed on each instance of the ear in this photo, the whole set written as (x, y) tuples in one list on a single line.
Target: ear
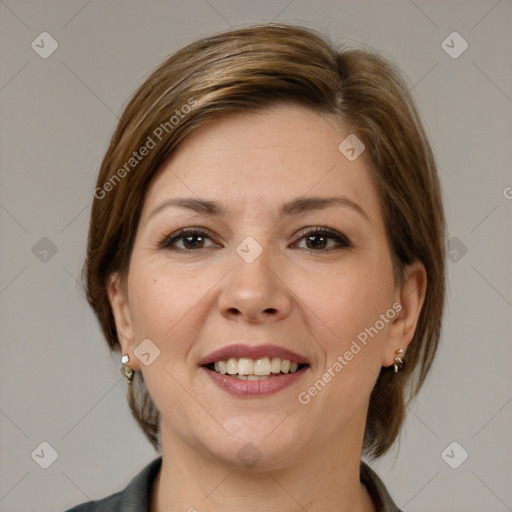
[(411, 297), (118, 297)]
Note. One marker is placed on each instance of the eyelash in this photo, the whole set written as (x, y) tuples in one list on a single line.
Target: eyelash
[(342, 240)]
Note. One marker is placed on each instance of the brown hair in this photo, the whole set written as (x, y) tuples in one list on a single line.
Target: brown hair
[(244, 70)]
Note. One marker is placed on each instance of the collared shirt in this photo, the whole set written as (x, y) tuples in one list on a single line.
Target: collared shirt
[(137, 494)]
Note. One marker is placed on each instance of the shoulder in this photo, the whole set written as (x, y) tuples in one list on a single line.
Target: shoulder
[(134, 498), (377, 490), (108, 504)]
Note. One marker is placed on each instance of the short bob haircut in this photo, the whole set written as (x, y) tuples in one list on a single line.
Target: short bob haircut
[(248, 69)]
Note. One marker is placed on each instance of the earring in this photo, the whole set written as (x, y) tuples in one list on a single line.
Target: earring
[(399, 362), (126, 370)]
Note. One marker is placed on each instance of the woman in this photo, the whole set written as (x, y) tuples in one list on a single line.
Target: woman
[(266, 255)]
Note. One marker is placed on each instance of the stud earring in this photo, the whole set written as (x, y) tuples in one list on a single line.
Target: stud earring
[(399, 362), (127, 370)]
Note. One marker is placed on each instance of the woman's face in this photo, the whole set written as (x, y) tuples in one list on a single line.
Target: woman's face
[(257, 274)]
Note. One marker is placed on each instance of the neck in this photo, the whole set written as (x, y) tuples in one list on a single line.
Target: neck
[(322, 479)]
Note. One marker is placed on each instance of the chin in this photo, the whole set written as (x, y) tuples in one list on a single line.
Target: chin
[(254, 445)]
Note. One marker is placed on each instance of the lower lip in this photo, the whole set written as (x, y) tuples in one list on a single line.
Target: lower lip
[(254, 388)]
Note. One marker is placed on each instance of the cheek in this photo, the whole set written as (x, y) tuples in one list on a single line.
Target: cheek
[(164, 305), (348, 302), (359, 317), (161, 300), (354, 323)]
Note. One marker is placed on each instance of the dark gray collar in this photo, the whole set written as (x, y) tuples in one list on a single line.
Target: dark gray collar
[(377, 490), (137, 494)]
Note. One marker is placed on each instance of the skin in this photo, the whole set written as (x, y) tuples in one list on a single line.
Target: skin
[(312, 296)]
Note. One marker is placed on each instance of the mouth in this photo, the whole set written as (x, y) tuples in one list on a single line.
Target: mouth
[(246, 371), (263, 368)]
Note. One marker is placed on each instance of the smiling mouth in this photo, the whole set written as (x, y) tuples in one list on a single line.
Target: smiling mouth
[(244, 368)]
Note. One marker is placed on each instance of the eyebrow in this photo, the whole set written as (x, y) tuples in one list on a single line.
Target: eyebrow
[(294, 207)]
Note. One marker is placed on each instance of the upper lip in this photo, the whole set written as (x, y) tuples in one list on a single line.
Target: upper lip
[(252, 352)]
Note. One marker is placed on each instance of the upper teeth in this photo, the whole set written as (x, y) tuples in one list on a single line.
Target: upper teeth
[(262, 366)]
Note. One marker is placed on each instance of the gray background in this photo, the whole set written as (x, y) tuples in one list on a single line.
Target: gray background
[(58, 382)]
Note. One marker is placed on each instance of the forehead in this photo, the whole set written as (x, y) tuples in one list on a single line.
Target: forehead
[(263, 159)]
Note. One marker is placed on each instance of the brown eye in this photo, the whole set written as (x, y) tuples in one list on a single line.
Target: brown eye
[(318, 239), (189, 238)]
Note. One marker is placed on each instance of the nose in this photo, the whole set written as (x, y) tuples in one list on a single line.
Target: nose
[(254, 291)]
